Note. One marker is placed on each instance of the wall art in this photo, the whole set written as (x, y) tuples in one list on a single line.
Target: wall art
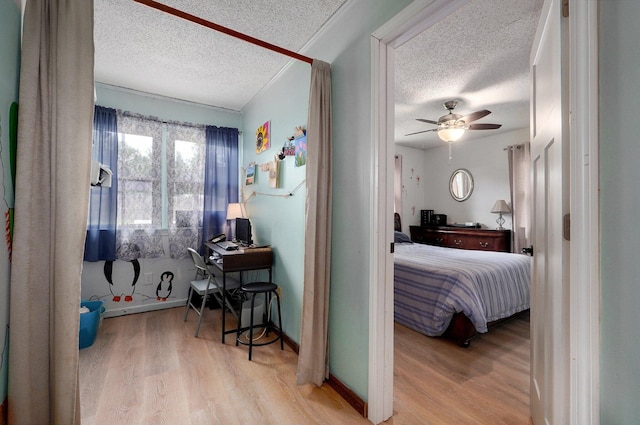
[(263, 138)]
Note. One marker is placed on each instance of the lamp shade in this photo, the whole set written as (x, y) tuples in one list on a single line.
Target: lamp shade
[(235, 210), (450, 134), (500, 207)]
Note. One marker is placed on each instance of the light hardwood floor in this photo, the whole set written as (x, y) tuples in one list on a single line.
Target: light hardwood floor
[(437, 382), (148, 368)]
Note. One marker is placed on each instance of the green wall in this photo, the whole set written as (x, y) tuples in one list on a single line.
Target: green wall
[(9, 78), (278, 219), (346, 45), (352, 171), (620, 203), (165, 108)]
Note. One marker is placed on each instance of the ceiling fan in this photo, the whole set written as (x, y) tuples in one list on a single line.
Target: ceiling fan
[(451, 127)]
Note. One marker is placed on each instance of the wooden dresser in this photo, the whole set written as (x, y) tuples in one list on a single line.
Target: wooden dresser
[(462, 237)]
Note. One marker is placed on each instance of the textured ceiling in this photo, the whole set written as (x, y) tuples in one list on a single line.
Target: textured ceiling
[(478, 55), (141, 48)]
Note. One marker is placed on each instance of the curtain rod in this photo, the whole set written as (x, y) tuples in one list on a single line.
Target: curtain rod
[(171, 122), (180, 14)]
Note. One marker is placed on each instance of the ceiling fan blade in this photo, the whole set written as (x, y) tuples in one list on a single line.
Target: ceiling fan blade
[(484, 126), (475, 116), (427, 121), (423, 131)]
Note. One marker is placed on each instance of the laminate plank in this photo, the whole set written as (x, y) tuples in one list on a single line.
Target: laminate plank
[(160, 351), (123, 402), (93, 364), (164, 399), (441, 383), (155, 371)]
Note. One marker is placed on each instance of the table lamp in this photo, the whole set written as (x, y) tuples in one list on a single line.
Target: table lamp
[(500, 207), (235, 210)]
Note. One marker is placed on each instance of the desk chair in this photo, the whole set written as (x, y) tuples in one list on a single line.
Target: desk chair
[(205, 284)]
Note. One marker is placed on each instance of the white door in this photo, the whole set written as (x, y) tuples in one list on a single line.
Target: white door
[(549, 280)]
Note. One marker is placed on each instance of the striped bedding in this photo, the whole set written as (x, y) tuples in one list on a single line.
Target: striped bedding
[(432, 283)]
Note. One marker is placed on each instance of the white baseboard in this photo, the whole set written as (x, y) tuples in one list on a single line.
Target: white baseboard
[(144, 308)]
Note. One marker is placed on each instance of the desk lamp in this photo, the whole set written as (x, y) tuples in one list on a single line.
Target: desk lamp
[(235, 210)]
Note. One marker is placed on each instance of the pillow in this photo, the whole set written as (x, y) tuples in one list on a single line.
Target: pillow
[(399, 237)]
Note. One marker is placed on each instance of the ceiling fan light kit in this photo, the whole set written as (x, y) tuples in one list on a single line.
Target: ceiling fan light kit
[(451, 127), (450, 134)]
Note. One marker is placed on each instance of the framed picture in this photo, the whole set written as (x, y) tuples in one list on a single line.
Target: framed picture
[(301, 150), (251, 174), (274, 167), (263, 138), (289, 148)]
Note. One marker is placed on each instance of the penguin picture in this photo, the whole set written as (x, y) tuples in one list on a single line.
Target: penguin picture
[(163, 291), (118, 289)]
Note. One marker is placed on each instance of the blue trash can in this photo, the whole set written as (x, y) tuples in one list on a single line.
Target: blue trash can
[(89, 322)]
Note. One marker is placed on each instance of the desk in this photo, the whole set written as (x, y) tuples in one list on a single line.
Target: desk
[(240, 260)]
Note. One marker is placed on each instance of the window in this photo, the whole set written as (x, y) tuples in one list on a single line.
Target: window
[(186, 177), (157, 205), (161, 187), (185, 187), (137, 181)]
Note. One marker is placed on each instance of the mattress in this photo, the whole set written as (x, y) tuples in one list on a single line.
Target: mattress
[(433, 283)]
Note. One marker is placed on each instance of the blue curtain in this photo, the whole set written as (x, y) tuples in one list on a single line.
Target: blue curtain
[(100, 243), (220, 179)]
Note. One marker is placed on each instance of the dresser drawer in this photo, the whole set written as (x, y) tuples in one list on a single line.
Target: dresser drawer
[(482, 243), (462, 238), (432, 239)]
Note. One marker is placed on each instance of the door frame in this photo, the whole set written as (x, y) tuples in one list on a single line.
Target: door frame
[(584, 281)]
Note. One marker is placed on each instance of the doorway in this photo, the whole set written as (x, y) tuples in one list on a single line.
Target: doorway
[(584, 282)]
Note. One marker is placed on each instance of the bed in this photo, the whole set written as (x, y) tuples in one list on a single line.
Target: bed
[(457, 293)]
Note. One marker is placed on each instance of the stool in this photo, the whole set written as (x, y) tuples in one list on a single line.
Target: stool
[(268, 289)]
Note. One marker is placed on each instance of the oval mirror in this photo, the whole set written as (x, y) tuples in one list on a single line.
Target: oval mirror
[(461, 185)]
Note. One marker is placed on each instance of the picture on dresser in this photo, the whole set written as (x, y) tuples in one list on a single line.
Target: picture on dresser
[(426, 217), (439, 219)]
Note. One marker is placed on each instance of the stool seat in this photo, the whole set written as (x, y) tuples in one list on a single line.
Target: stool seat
[(259, 287), (268, 289)]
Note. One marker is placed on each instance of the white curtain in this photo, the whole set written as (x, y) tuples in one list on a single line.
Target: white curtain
[(313, 355), (51, 204), (519, 178), (161, 171), (139, 188)]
